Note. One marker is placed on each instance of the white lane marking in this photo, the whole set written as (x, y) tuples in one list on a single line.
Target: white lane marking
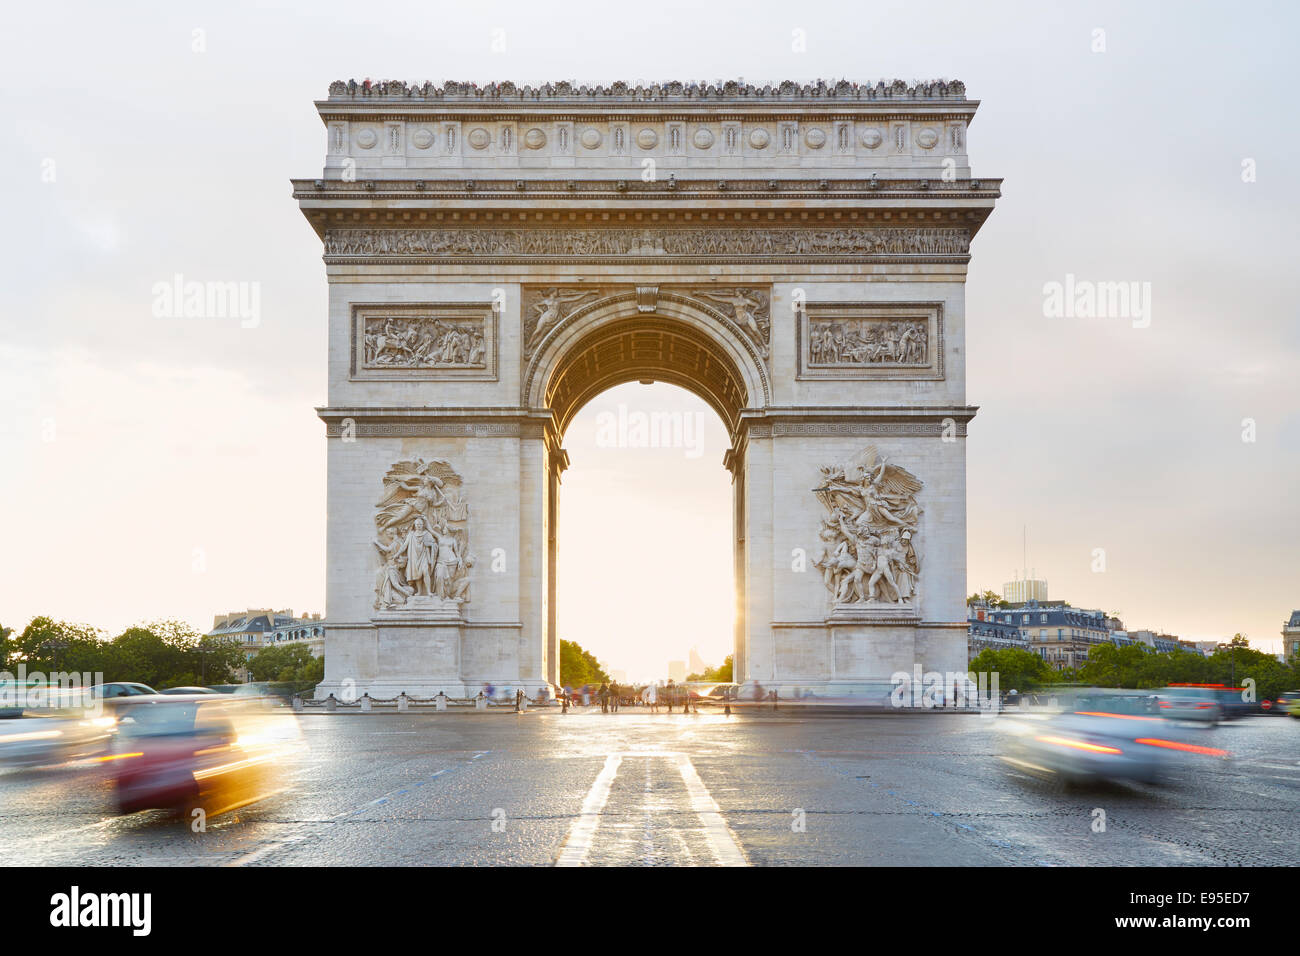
[(578, 845), (722, 842), (647, 834), (726, 848)]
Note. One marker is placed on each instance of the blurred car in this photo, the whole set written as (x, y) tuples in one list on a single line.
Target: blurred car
[(269, 694), (1190, 703), (53, 736), (1288, 703), (1102, 737), (121, 689), (207, 751), (187, 690)]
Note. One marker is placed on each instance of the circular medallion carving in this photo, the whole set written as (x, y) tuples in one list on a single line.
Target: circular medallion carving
[(702, 139), (871, 138), (534, 138), (479, 138), (591, 138), (367, 138), (815, 138), (422, 138), (647, 138), (927, 138), (758, 138)]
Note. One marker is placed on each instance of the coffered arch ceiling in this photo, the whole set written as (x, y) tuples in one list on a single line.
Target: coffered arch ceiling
[(680, 343), (637, 350)]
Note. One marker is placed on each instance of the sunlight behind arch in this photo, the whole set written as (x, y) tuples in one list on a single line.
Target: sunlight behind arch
[(645, 552)]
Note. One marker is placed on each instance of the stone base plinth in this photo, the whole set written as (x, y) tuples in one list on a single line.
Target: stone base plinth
[(874, 612), (858, 653), (422, 652), (423, 608)]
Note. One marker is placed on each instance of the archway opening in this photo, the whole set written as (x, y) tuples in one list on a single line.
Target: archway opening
[(645, 551)]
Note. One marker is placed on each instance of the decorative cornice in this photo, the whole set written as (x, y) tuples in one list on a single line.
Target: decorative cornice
[(672, 92), (861, 421), (348, 423), (569, 190)]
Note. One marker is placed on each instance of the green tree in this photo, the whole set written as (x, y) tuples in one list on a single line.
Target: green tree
[(172, 654), (48, 645), (578, 666), (991, 598), (722, 673), (1016, 669), (287, 662), (1238, 661)]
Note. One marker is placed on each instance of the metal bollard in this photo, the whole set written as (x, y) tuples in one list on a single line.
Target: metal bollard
[(402, 702), (365, 703), (441, 701)]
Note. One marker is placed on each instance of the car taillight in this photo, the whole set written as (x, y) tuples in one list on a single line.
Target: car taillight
[(1079, 745), (1175, 745)]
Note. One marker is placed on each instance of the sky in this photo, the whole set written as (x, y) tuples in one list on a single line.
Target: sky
[(157, 467)]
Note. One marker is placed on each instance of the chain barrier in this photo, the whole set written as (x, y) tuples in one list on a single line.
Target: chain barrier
[(410, 699)]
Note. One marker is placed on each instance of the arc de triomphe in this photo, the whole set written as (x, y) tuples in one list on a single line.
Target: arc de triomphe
[(497, 256)]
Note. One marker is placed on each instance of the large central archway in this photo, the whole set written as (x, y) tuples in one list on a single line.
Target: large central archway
[(498, 256), (644, 336), (646, 534)]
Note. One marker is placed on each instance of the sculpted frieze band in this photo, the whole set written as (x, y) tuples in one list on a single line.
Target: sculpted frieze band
[(932, 241)]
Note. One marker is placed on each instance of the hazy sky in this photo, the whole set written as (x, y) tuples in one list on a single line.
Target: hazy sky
[(171, 467)]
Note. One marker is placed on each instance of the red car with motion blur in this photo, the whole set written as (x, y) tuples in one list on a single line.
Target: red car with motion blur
[(203, 751)]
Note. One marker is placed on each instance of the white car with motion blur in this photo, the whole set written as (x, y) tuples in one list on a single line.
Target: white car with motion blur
[(1104, 736)]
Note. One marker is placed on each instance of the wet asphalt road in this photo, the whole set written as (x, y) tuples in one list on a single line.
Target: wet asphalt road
[(637, 789)]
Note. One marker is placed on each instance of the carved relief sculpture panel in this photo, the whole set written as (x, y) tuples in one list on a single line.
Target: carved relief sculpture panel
[(421, 537), (883, 340), (435, 341), (869, 558)]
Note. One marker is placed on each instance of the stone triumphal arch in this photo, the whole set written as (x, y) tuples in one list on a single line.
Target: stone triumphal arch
[(497, 256)]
